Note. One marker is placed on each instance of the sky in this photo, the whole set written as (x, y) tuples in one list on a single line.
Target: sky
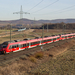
[(38, 9)]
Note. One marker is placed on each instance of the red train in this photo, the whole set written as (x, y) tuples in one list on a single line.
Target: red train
[(15, 46)]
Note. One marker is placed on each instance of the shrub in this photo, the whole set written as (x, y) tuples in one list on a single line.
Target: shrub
[(50, 55), (33, 59), (71, 59), (39, 55)]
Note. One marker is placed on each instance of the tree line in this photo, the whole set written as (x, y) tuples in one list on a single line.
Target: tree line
[(58, 26), (49, 25)]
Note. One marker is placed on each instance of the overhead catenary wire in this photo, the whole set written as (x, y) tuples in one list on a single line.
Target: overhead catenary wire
[(60, 10), (36, 5), (46, 6), (64, 9)]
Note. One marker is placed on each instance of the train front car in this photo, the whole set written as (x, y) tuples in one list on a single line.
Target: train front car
[(3, 47)]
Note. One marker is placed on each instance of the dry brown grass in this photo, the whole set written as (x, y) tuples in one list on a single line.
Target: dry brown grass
[(52, 67), (61, 65), (33, 59), (29, 34), (19, 35), (39, 55)]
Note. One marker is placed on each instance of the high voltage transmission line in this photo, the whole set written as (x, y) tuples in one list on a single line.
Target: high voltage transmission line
[(46, 6), (64, 9), (36, 5), (60, 10)]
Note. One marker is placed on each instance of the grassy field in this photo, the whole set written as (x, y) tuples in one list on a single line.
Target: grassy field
[(59, 60), (15, 35), (63, 64)]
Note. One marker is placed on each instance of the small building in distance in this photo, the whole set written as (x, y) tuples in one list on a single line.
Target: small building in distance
[(22, 29)]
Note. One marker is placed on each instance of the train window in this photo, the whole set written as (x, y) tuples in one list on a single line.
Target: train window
[(5, 43), (17, 46), (13, 46), (10, 47), (54, 38), (48, 40), (33, 43), (63, 36), (4, 46), (44, 41), (24, 45), (21, 45), (27, 44), (58, 37)]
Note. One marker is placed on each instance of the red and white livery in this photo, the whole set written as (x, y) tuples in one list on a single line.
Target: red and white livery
[(13, 46)]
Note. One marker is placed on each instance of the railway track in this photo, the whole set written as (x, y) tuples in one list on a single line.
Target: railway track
[(28, 52)]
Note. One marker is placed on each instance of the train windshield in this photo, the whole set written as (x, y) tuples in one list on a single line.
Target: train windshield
[(4, 46), (5, 43)]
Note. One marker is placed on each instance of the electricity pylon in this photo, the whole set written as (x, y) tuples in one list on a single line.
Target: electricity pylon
[(21, 13)]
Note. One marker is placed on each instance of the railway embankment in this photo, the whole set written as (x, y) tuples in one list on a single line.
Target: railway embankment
[(59, 59)]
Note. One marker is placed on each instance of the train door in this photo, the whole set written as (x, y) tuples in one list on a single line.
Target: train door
[(29, 45), (52, 39), (20, 46), (10, 48), (56, 38), (40, 42)]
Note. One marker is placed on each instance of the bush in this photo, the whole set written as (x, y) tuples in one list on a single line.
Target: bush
[(39, 55), (33, 59)]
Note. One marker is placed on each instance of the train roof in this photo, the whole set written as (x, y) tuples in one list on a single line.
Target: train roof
[(33, 40), (68, 34), (7, 42)]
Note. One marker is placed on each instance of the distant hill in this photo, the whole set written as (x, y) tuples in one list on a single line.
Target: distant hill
[(15, 22), (58, 21), (37, 22)]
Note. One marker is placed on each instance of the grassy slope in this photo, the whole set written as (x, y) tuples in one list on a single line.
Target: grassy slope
[(63, 64)]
